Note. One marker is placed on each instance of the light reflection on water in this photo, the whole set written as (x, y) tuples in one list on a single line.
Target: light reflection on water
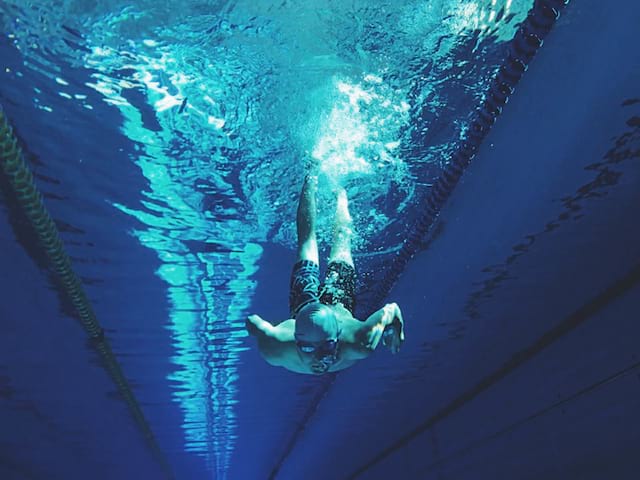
[(229, 103)]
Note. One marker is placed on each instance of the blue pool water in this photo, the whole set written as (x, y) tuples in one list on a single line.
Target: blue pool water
[(169, 141)]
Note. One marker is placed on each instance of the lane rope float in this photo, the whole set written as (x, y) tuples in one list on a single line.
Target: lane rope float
[(23, 188), (522, 48)]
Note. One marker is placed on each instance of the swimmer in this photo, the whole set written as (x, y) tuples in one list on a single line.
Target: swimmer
[(322, 334)]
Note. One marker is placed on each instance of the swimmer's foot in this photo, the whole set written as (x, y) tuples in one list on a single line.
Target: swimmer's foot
[(343, 217), (310, 186), (342, 230)]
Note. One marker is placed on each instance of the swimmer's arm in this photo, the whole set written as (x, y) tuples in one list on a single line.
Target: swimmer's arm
[(274, 341), (370, 333)]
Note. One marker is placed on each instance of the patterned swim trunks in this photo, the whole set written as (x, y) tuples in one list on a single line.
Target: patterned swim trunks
[(339, 285)]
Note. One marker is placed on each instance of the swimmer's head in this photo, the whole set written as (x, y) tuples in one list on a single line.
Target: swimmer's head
[(317, 333), (316, 322)]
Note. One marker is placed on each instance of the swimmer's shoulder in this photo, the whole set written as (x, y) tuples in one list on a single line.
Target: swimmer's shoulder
[(352, 337)]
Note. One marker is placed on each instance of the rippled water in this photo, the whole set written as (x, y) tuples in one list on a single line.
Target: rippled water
[(228, 103)]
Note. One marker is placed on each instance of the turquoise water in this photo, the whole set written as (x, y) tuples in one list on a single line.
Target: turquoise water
[(227, 105)]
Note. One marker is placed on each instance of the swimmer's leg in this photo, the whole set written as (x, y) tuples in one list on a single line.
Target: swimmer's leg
[(306, 221), (342, 231)]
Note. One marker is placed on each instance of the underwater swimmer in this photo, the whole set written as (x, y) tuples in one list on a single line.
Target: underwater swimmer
[(322, 335)]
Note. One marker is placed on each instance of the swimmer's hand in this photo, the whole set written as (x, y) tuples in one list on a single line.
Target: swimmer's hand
[(253, 323), (393, 335), (386, 326)]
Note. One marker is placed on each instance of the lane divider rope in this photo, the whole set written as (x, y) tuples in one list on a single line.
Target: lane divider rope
[(22, 185), (522, 48), (526, 42)]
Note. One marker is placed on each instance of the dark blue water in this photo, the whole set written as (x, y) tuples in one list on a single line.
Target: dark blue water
[(170, 142)]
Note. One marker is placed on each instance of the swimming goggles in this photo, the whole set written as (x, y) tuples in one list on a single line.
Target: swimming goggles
[(328, 346)]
